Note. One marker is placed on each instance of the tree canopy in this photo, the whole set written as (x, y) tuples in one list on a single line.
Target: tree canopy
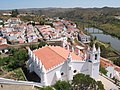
[(62, 85), (117, 61), (34, 46), (79, 82), (14, 13), (103, 70), (16, 59), (85, 82), (46, 88)]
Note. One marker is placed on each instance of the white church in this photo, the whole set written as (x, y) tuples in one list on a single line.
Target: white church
[(52, 63)]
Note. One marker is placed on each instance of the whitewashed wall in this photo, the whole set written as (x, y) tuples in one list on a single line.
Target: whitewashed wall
[(95, 70), (51, 75), (110, 72)]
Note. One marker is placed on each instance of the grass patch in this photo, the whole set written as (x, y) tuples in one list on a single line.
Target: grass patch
[(17, 74), (106, 45)]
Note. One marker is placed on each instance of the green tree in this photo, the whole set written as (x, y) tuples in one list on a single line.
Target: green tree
[(33, 46), (100, 85), (42, 22), (12, 50), (95, 38), (103, 70), (42, 44), (14, 13), (18, 58), (62, 85), (46, 88), (84, 82), (117, 61), (103, 51)]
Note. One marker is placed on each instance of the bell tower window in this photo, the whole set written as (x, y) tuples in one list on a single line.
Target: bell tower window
[(95, 56)]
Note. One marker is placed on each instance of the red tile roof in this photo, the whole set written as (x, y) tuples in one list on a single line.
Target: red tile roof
[(117, 68), (51, 56), (3, 46), (105, 63), (2, 38)]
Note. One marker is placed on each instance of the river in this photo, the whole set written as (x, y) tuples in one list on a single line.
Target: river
[(115, 42)]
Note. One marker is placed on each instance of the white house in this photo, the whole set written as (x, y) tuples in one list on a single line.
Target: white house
[(6, 14), (83, 38), (112, 69), (4, 48), (3, 41), (1, 23), (52, 63), (14, 21)]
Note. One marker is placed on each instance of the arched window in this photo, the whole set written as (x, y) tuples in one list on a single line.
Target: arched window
[(95, 56), (89, 57), (75, 71), (62, 73)]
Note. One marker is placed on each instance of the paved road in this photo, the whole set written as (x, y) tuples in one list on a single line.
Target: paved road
[(107, 84), (15, 87)]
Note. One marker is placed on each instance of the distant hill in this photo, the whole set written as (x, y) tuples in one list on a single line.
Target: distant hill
[(79, 13), (57, 10), (70, 13)]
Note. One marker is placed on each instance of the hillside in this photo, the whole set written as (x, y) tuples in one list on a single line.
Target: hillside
[(102, 18)]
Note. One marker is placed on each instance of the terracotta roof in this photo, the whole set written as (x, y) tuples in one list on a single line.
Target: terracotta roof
[(51, 56), (117, 68), (105, 63), (3, 46), (2, 38)]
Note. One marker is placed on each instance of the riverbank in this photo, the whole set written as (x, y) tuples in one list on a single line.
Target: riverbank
[(115, 42), (109, 45), (110, 29), (106, 50)]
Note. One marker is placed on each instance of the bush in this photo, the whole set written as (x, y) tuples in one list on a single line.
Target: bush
[(18, 58), (103, 70), (62, 85), (117, 61), (46, 88), (79, 82)]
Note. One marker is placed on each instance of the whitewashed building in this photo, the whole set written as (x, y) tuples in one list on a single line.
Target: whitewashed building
[(3, 41), (83, 37), (113, 71), (4, 48), (52, 63), (14, 21)]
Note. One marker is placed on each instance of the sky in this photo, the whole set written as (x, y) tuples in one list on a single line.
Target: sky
[(17, 4)]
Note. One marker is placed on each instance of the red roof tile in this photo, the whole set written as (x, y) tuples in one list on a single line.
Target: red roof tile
[(2, 38), (117, 68), (105, 63), (51, 56), (3, 46)]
